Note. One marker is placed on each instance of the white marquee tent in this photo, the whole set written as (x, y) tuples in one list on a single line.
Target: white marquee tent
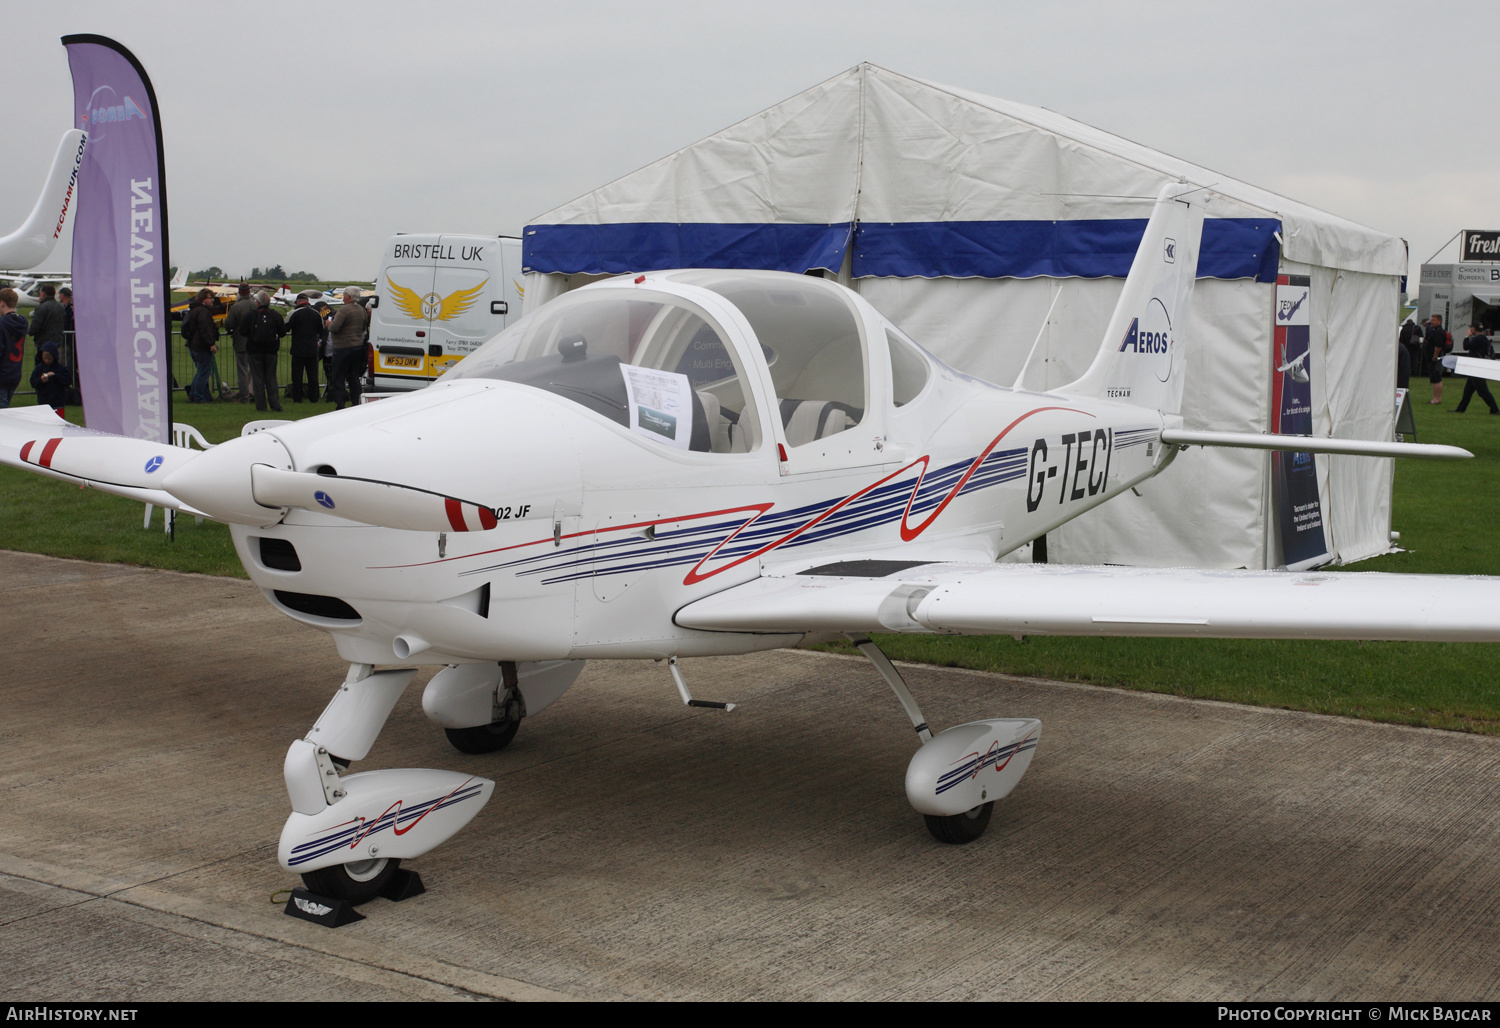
[(963, 217)]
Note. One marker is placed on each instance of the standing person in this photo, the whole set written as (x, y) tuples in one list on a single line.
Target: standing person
[(47, 320), (1411, 342), (325, 348), (1477, 345), (1435, 343), (12, 343), (306, 327), (202, 338), (236, 324), (263, 340), (51, 378), (1403, 365), (348, 331)]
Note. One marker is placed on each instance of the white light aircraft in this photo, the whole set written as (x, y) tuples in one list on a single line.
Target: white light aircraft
[(707, 462)]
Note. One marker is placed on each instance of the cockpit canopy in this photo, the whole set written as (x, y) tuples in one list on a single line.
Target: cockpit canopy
[(660, 362)]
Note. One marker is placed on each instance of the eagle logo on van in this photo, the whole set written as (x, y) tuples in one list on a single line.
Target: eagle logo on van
[(433, 307)]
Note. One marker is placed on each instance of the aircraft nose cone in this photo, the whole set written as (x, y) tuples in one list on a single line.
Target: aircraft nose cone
[(219, 482)]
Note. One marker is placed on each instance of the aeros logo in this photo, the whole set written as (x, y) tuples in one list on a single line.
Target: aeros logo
[(1151, 334)]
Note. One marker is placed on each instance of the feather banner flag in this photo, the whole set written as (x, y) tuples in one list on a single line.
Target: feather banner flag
[(120, 291)]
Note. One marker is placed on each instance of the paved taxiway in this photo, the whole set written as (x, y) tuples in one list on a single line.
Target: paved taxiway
[(1158, 848)]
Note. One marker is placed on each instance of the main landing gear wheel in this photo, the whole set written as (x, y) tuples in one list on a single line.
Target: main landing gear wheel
[(357, 882), (489, 738), (961, 828)]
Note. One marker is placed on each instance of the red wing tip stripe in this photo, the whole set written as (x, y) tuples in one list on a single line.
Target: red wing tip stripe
[(487, 518), (26, 451), (45, 460), (455, 512)]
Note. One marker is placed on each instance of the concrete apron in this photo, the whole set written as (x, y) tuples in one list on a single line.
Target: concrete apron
[(1158, 848)]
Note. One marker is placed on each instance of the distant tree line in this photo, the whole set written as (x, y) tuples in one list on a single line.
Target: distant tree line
[(275, 273)]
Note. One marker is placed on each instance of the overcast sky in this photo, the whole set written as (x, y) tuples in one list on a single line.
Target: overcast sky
[(306, 133)]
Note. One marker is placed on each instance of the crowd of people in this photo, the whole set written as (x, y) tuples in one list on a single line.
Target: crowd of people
[(50, 322), (331, 337), (1422, 348)]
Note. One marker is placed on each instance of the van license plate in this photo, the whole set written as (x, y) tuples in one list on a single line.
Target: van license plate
[(401, 362)]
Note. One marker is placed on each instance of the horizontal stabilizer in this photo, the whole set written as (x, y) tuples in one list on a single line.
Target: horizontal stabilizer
[(1314, 444), (1058, 599), (385, 504)]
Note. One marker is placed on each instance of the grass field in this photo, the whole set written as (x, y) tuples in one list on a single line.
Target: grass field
[(1441, 511)]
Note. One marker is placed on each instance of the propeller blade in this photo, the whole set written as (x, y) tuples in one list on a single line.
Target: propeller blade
[(384, 504), (106, 460)]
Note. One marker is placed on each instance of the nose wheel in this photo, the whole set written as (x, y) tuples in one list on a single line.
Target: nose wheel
[(961, 828), (490, 738), (356, 882)]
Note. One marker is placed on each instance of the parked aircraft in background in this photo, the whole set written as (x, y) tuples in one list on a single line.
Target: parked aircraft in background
[(28, 285), (703, 462)]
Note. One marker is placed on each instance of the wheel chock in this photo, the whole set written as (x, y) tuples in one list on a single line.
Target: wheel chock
[(323, 910), (403, 885)]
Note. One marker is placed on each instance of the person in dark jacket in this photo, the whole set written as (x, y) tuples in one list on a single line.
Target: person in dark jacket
[(1435, 343), (65, 297), (1411, 342), (263, 332), (201, 336), (235, 324), (1403, 366), (12, 343), (348, 329), (1477, 345), (306, 327), (51, 379), (47, 319)]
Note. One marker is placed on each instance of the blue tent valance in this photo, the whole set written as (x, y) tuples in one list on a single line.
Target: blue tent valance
[(658, 246), (1232, 248)]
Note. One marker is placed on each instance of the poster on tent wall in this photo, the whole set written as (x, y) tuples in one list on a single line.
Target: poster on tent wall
[(120, 288), (1299, 506)]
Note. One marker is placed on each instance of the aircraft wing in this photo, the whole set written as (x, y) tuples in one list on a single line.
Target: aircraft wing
[(1472, 367), (855, 595)]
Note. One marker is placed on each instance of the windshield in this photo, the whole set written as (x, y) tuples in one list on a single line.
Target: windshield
[(649, 361)]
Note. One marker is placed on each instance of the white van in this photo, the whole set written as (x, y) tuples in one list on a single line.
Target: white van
[(438, 297)]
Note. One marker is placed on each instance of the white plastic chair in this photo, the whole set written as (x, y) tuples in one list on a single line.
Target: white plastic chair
[(184, 436)]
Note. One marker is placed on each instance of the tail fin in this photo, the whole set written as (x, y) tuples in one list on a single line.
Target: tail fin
[(31, 244), (1142, 359), (179, 280)]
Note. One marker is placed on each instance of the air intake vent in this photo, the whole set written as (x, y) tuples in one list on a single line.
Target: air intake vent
[(330, 607), (279, 555)]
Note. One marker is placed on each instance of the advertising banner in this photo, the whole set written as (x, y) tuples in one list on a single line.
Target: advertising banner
[(1294, 476), (120, 264)]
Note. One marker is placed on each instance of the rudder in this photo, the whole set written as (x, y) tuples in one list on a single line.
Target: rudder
[(1141, 359)]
